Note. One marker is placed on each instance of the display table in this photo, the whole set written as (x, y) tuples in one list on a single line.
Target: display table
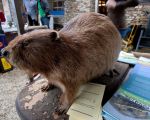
[(32, 104)]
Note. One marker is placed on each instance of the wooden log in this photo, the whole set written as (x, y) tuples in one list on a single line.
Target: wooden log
[(33, 104)]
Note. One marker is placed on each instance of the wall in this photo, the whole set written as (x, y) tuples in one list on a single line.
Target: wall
[(75, 7), (138, 15)]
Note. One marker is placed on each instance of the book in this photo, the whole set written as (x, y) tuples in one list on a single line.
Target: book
[(144, 61), (88, 105), (131, 59), (132, 99), (127, 58)]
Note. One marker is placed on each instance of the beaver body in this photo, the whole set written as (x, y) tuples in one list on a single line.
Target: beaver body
[(85, 48)]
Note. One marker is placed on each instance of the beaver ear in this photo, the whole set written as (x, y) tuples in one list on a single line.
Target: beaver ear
[(54, 36)]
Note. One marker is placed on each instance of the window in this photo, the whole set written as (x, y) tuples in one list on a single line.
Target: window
[(102, 7), (57, 5)]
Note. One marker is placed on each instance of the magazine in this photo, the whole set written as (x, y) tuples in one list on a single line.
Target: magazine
[(88, 105), (132, 100)]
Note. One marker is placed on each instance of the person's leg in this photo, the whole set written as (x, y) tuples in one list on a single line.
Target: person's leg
[(45, 21), (42, 20), (35, 22), (30, 20)]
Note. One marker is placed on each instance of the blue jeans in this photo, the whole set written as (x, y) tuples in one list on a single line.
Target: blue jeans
[(45, 21)]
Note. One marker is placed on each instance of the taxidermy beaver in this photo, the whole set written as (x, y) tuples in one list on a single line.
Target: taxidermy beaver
[(85, 48)]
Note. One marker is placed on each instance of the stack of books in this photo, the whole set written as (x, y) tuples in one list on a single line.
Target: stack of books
[(132, 99)]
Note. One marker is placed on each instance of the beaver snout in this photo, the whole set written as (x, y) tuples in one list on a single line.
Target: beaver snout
[(5, 53)]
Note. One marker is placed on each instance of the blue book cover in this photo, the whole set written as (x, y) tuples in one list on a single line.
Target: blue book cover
[(132, 100)]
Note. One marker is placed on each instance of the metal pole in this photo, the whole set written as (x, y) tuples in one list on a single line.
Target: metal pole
[(96, 6)]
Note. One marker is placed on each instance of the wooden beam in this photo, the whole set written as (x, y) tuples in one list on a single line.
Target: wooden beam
[(19, 20)]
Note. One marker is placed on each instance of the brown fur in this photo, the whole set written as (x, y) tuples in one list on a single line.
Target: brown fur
[(84, 49)]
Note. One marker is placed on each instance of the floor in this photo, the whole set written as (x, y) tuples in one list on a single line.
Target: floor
[(11, 84)]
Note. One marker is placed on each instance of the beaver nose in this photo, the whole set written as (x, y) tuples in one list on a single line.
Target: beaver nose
[(5, 53)]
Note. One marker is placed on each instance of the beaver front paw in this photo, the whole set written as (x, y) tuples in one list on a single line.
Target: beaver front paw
[(47, 87)]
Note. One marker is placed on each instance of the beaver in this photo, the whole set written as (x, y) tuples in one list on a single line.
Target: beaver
[(85, 48)]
